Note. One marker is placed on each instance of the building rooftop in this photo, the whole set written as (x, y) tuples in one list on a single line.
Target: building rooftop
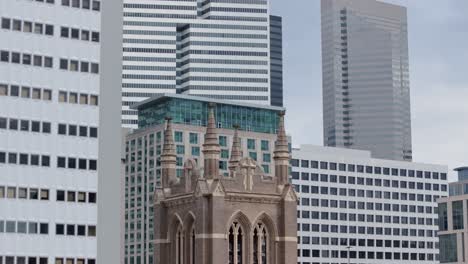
[(159, 98)]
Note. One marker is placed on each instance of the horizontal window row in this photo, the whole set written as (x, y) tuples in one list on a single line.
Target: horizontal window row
[(148, 68), (220, 61), (306, 177), (225, 88), (234, 9), (323, 165), (239, 18), (79, 66), (24, 227), (149, 50), (83, 4), (193, 25), (27, 26), (75, 98), (343, 254), (148, 32), (26, 59), (369, 218), (354, 242), (75, 230), (377, 206), (149, 77), (223, 44), (223, 70), (237, 97), (75, 130), (223, 35), (222, 79), (81, 34), (24, 159), (76, 163), (24, 193), (25, 92), (134, 94), (370, 230), (159, 15), (43, 260), (25, 125), (76, 196), (222, 53), (73, 261), (23, 259), (164, 7)]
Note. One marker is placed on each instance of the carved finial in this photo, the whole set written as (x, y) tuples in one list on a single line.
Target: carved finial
[(168, 156), (281, 153), (236, 150), (211, 148)]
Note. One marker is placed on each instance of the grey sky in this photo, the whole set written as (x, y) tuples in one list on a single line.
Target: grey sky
[(438, 36)]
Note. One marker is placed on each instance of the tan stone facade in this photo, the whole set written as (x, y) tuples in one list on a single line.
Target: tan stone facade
[(246, 218)]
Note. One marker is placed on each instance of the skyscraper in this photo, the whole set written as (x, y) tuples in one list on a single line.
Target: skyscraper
[(366, 93), (216, 49), (50, 69)]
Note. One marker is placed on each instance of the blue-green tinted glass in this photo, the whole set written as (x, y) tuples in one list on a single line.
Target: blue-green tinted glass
[(184, 111), (195, 151), (265, 145), (225, 154), (223, 141), (193, 138), (251, 144)]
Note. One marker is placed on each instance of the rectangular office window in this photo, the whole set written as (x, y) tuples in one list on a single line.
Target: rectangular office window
[(94, 68), (60, 195), (96, 5), (59, 229), (34, 194), (6, 23), (74, 65), (83, 99), (92, 197), (95, 36), (25, 92), (27, 59), (44, 228), (93, 100), (63, 64), (93, 132), (82, 164), (71, 163), (73, 98), (92, 164), (84, 66), (32, 228), (457, 215), (71, 196), (3, 89), (3, 123), (44, 195), (83, 131), (38, 28), (72, 130), (37, 60), (49, 30)]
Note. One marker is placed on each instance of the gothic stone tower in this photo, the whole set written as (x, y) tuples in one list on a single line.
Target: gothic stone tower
[(206, 218)]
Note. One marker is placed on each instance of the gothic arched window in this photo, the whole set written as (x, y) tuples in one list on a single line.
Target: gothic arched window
[(236, 244), (260, 244), (179, 246), (192, 246)]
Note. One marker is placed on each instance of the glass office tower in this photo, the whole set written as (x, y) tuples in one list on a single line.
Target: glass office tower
[(366, 92)]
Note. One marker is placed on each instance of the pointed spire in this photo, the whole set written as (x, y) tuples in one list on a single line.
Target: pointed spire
[(281, 153), (236, 151), (211, 148), (168, 156)]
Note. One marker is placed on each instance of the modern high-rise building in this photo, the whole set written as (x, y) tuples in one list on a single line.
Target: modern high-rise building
[(189, 117), (366, 90), (50, 73), (453, 214), (357, 209), (229, 50)]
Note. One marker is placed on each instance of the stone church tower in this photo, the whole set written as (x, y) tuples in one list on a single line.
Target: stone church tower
[(207, 218)]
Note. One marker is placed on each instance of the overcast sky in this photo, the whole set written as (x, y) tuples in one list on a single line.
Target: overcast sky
[(438, 43)]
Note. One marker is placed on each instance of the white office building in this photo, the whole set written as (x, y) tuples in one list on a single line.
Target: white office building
[(366, 89), (357, 209), (49, 129), (211, 48)]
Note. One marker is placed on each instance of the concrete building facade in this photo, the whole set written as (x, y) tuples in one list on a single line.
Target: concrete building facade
[(257, 133), (453, 214), (365, 68), (50, 101), (355, 208), (217, 49)]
